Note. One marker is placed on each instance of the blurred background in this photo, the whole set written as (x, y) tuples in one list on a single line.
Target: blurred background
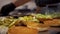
[(31, 7)]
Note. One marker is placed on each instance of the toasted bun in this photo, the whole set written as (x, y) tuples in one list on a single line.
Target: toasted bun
[(22, 30)]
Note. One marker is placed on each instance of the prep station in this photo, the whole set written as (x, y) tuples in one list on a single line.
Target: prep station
[(45, 19)]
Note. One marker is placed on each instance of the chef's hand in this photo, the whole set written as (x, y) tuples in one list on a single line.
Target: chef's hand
[(20, 2), (6, 9)]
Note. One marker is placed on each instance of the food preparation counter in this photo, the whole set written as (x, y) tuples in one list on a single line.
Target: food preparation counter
[(52, 30)]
